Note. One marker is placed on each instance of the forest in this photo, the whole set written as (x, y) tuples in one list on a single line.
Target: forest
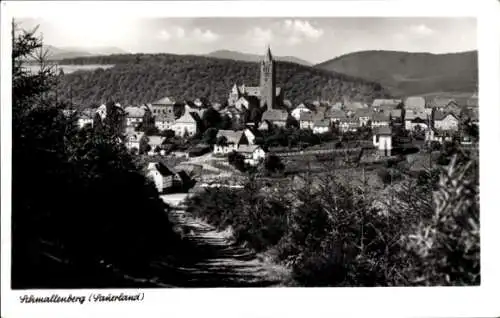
[(144, 78)]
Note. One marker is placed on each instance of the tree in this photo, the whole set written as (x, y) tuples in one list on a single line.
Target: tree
[(273, 164), (222, 141), (210, 136), (211, 118), (237, 160)]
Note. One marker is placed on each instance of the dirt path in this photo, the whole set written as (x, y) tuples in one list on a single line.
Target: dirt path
[(215, 261)]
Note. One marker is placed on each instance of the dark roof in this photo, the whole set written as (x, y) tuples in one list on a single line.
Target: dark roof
[(332, 113), (164, 170), (363, 112), (386, 102), (382, 130), (322, 123), (232, 136), (380, 117), (438, 115)]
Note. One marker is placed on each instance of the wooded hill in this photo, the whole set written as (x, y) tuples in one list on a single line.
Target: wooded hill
[(405, 73), (144, 78)]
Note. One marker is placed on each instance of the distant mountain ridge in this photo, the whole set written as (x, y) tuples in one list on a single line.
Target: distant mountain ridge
[(406, 73), (248, 57), (58, 53)]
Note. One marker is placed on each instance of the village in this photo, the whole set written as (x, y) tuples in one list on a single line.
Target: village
[(202, 138)]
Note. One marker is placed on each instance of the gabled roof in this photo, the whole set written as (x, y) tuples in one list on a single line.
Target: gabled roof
[(232, 136), (363, 112), (188, 118), (442, 102), (135, 112), (439, 115), (349, 121), (382, 130), (411, 115), (332, 113), (156, 140), (306, 116), (380, 117), (415, 102), (162, 169), (164, 101), (275, 115), (322, 123), (248, 148)]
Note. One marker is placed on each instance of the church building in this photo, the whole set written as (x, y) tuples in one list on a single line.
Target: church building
[(268, 94)]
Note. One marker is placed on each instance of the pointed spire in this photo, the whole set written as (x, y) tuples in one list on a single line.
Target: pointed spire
[(269, 56)]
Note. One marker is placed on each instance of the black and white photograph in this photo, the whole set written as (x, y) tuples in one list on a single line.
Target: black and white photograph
[(165, 152)]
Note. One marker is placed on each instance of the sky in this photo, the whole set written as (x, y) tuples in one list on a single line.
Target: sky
[(312, 39)]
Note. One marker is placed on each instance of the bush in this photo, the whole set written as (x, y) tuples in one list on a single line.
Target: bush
[(237, 160)]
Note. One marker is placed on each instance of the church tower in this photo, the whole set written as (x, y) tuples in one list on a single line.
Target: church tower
[(268, 81)]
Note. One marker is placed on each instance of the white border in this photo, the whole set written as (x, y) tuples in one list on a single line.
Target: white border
[(389, 302)]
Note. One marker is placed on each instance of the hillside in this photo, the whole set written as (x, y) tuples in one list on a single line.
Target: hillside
[(140, 78), (406, 73), (58, 53), (247, 57)]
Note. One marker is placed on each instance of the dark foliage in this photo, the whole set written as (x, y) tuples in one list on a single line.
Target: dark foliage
[(237, 160), (81, 209), (143, 78)]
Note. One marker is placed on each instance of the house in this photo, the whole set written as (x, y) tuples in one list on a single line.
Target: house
[(302, 108), (335, 115), (163, 106), (433, 135), (306, 120), (163, 177), (380, 120), (251, 133), (445, 121), (233, 140), (382, 140), (191, 107), (135, 115), (264, 126), (164, 121), (186, 125), (337, 106), (321, 126), (395, 115), (414, 119), (348, 124), (155, 142), (277, 117), (253, 154), (364, 115), (86, 117), (133, 139), (415, 103)]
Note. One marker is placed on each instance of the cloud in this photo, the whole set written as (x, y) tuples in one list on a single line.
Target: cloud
[(205, 36), (164, 35), (301, 29), (258, 36), (179, 32), (421, 29)]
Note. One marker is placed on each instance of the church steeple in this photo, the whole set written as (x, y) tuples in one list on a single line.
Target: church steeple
[(267, 80)]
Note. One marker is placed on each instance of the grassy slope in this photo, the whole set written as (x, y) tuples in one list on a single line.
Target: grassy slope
[(406, 73)]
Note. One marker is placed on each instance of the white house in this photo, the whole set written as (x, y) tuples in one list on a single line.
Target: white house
[(133, 140), (306, 120), (135, 115), (253, 154), (242, 103), (233, 141), (186, 125), (302, 108), (86, 118), (348, 124), (321, 126), (161, 175), (382, 139), (445, 121), (155, 142), (416, 118), (164, 122)]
